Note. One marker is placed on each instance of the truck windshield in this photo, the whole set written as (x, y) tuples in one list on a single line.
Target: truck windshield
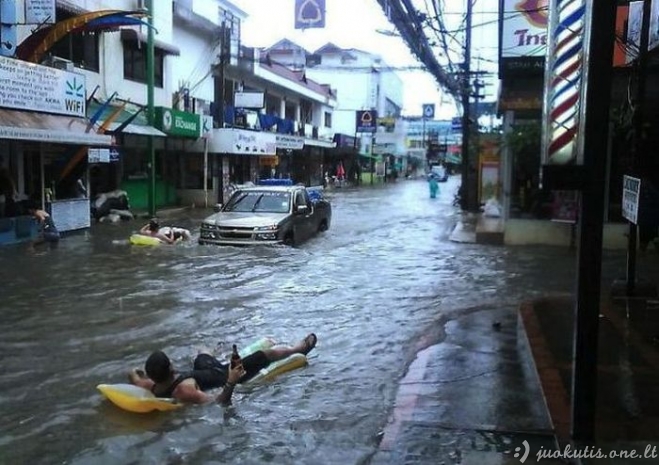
[(259, 201)]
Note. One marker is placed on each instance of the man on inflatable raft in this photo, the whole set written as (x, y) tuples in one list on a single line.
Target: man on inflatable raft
[(209, 373), (166, 234)]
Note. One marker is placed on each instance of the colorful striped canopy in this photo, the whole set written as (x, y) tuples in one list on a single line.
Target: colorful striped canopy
[(35, 46)]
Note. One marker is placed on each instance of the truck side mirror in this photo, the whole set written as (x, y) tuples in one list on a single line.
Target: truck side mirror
[(217, 207), (301, 209)]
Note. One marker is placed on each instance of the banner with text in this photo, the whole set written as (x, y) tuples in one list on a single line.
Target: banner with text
[(28, 86)]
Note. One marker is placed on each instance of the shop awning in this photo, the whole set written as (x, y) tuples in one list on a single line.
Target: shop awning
[(44, 127), (319, 143), (137, 127)]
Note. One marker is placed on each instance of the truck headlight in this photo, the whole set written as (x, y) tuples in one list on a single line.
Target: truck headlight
[(267, 236), (266, 233)]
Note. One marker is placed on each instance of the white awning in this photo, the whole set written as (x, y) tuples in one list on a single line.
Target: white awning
[(44, 127), (319, 143)]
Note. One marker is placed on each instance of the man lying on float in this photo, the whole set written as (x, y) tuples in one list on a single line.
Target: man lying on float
[(209, 373)]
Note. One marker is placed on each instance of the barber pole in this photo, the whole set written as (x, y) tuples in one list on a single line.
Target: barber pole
[(563, 80)]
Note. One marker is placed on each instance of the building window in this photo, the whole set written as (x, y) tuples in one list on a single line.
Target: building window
[(135, 63), (232, 23), (328, 119), (306, 111), (79, 47)]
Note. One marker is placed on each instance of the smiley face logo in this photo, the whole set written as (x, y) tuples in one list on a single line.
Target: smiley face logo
[(167, 120), (535, 11)]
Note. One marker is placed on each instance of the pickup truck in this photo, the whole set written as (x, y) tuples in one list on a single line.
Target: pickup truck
[(267, 215)]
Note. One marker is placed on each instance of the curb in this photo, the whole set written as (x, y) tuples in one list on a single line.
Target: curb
[(555, 394)]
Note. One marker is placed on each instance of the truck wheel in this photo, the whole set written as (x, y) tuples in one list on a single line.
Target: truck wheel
[(289, 239), (322, 226)]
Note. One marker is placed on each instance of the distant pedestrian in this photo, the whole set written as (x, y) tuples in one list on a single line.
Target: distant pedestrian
[(433, 185)]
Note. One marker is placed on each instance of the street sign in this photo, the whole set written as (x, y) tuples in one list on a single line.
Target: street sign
[(429, 110), (631, 190), (366, 121), (309, 14)]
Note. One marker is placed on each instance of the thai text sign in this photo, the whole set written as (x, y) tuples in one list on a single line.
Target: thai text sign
[(98, 155), (28, 86), (287, 142), (253, 100), (631, 190), (524, 28)]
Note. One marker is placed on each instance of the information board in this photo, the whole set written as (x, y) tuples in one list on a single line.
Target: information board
[(631, 190)]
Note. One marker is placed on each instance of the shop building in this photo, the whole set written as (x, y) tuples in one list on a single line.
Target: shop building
[(43, 128), (265, 96)]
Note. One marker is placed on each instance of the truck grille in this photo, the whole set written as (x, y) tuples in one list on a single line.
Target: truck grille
[(235, 233)]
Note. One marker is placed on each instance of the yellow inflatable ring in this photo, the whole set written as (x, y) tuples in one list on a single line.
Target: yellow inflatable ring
[(141, 239), (136, 399), (139, 400)]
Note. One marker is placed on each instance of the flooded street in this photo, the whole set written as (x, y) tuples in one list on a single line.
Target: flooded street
[(94, 307)]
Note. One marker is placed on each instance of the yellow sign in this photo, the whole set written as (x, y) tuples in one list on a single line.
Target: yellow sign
[(270, 160)]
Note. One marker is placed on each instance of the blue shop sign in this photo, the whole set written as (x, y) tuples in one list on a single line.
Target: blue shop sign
[(366, 121)]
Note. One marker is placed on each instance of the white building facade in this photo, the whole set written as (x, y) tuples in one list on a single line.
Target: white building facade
[(363, 81), (198, 68)]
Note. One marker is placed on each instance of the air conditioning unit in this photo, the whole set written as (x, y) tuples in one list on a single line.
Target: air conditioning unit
[(60, 63)]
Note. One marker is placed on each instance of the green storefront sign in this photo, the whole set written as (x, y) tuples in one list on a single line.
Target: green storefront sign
[(177, 123)]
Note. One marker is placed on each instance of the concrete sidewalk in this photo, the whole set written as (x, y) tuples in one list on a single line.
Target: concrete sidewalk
[(496, 383), (469, 397)]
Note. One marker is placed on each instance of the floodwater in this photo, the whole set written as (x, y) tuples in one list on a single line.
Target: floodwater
[(86, 312)]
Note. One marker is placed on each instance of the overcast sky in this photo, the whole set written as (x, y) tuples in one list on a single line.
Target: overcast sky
[(353, 24)]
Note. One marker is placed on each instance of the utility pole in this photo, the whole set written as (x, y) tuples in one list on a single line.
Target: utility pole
[(372, 159), (467, 199), (474, 184), (423, 140), (150, 82), (225, 51), (637, 140), (598, 75)]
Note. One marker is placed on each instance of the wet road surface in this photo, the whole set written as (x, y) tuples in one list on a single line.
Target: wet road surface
[(383, 275)]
